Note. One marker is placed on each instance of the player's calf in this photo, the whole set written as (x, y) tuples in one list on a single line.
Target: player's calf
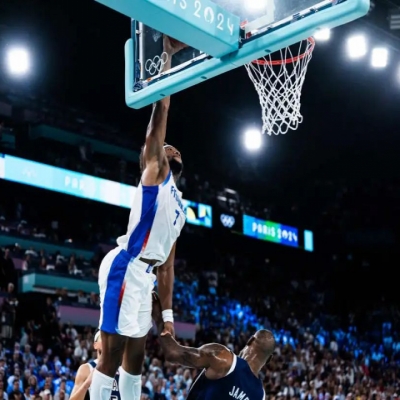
[(103, 376), (130, 379)]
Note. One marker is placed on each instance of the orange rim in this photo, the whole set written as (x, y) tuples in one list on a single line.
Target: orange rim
[(290, 60)]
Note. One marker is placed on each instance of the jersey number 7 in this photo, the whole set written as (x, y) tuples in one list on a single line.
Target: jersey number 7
[(177, 216)]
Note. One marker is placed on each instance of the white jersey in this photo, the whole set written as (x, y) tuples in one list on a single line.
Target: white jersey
[(155, 222)]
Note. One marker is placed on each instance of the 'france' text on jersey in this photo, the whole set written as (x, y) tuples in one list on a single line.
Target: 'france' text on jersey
[(156, 220)]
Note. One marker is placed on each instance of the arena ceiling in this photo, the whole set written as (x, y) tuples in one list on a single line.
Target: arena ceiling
[(351, 116)]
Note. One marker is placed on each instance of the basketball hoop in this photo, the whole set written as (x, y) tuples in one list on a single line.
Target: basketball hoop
[(278, 79)]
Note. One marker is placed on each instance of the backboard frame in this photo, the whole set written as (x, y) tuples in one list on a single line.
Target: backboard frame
[(255, 42)]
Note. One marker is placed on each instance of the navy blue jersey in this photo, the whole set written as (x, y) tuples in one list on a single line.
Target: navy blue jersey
[(240, 384), (115, 390)]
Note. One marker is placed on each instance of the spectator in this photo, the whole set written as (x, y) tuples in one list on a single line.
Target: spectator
[(8, 312), (80, 352), (7, 270)]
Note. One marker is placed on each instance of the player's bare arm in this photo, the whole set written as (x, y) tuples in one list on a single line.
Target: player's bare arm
[(155, 160), (165, 282), (216, 358), (83, 380)]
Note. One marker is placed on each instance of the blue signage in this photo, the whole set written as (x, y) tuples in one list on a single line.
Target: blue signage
[(270, 231), (61, 180)]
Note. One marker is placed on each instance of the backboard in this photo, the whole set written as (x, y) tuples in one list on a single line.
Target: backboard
[(222, 35)]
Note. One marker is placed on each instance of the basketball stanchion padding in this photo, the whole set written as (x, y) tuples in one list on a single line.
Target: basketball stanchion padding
[(278, 79)]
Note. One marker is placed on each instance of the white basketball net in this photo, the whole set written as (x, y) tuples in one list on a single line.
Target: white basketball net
[(279, 81)]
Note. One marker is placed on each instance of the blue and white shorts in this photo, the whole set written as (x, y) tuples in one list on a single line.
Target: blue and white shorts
[(126, 285)]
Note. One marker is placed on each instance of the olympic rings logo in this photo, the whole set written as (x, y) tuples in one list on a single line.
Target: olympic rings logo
[(155, 65), (227, 220)]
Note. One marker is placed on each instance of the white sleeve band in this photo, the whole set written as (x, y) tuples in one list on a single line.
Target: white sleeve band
[(168, 316)]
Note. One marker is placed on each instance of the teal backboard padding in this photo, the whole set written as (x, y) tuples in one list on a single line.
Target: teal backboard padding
[(271, 41), (207, 27), (212, 29)]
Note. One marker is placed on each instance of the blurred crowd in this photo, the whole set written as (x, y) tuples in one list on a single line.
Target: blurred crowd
[(337, 329), (317, 357)]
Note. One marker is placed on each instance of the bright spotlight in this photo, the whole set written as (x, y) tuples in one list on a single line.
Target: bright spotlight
[(323, 35), (252, 139), (357, 46), (379, 57), (398, 73), (256, 5), (18, 61)]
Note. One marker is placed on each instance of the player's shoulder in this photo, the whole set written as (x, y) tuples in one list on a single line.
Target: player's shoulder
[(84, 371), (221, 360), (215, 349)]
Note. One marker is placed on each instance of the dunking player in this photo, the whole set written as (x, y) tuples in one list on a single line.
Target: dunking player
[(224, 376), (126, 280), (83, 377)]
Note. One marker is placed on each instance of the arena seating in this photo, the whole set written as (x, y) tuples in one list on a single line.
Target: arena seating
[(336, 326), (315, 357)]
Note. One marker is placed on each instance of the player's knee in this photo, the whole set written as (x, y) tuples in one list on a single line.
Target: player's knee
[(107, 368), (134, 356), (112, 352), (133, 365)]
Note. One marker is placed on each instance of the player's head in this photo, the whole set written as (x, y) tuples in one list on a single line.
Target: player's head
[(259, 349), (97, 345), (174, 160)]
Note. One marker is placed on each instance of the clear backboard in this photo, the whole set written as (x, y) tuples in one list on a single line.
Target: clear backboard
[(255, 16), (221, 35)]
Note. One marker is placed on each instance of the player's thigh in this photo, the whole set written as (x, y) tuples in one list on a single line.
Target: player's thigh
[(105, 268), (104, 272), (144, 319), (120, 295), (136, 303), (134, 353), (113, 347), (136, 344), (130, 302)]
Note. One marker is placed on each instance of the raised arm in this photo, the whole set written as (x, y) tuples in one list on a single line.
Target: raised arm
[(217, 359), (214, 357), (165, 284), (154, 158), (83, 380)]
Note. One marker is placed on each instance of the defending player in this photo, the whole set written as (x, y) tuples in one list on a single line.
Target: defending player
[(225, 375), (83, 377), (126, 280)]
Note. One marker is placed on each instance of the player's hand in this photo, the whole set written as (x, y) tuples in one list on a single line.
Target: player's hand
[(172, 46), (168, 329)]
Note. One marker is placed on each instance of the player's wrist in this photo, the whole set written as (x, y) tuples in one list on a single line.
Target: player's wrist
[(168, 315)]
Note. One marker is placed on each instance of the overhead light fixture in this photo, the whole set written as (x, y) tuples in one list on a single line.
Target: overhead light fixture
[(357, 46), (252, 139), (323, 35), (18, 61), (379, 57)]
